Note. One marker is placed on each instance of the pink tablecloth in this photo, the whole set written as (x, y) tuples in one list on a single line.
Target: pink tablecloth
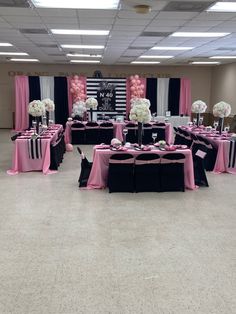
[(99, 172), (223, 146), (118, 132), (21, 162)]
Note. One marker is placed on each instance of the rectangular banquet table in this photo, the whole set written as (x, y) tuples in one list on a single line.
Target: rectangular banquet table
[(22, 159), (226, 149), (118, 131), (99, 172)]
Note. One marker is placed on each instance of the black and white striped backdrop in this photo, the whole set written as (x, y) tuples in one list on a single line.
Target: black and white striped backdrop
[(120, 87)]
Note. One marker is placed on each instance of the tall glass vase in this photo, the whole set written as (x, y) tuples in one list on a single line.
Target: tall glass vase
[(140, 131), (221, 125), (47, 117), (91, 114), (198, 119)]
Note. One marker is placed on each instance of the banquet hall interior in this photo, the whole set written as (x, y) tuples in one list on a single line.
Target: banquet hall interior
[(117, 157)]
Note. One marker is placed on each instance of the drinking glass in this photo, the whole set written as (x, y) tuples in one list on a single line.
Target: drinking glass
[(34, 123), (226, 129), (125, 132), (154, 136), (215, 125), (200, 120), (194, 121)]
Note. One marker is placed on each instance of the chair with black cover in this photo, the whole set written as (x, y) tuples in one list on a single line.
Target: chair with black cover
[(147, 133), (57, 150), (200, 177), (14, 137), (106, 132), (77, 133), (147, 173), (92, 133), (86, 167), (132, 135), (210, 158), (172, 172), (178, 139), (121, 173), (160, 129), (187, 140)]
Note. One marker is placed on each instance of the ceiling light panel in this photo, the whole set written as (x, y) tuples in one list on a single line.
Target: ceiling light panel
[(5, 45), (83, 46), (13, 54), (199, 34), (205, 62), (222, 7), (80, 32), (24, 60), (77, 4), (223, 57)]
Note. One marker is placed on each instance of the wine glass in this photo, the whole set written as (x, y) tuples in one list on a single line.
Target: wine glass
[(194, 121), (215, 125), (226, 129), (200, 120), (34, 123), (125, 132), (154, 136)]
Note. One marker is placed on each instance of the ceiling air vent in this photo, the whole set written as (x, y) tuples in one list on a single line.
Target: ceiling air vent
[(155, 34), (138, 47), (55, 54), (226, 48), (187, 6), (14, 3), (34, 31)]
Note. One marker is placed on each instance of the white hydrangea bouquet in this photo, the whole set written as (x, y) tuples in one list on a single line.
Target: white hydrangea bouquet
[(79, 109), (199, 106), (221, 109), (91, 103), (140, 113), (49, 104), (36, 108), (140, 110)]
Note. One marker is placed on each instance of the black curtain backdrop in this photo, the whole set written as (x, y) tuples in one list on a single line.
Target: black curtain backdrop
[(173, 97), (60, 100), (151, 93), (34, 93)]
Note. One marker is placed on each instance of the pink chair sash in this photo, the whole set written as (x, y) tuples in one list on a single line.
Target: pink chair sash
[(172, 161), (91, 127), (126, 161), (77, 129), (144, 162)]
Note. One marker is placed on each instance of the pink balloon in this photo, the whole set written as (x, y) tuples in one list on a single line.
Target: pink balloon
[(132, 88), (133, 82), (76, 77), (69, 147), (131, 77), (138, 82), (82, 86), (136, 76), (72, 91), (142, 86)]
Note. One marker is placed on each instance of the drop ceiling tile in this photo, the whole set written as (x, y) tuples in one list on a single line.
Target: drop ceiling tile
[(215, 16), (46, 12), (176, 15), (63, 20), (22, 18), (5, 11), (140, 22), (161, 29), (169, 22), (97, 21), (132, 15), (96, 13)]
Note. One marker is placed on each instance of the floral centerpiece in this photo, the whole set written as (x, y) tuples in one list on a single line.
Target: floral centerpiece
[(79, 109), (162, 143), (91, 104), (221, 110), (36, 108), (198, 107), (49, 107), (140, 112)]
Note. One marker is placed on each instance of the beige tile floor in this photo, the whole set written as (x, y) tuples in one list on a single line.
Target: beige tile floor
[(68, 251)]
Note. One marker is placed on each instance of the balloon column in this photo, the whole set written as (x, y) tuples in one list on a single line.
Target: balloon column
[(136, 87), (77, 89)]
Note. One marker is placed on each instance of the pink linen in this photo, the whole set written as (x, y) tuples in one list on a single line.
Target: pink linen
[(22, 101), (21, 161), (99, 172), (222, 144), (185, 97)]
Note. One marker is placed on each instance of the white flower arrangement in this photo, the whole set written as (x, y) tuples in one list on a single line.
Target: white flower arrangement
[(36, 108), (79, 109), (221, 109), (198, 106), (91, 103), (140, 110), (49, 104)]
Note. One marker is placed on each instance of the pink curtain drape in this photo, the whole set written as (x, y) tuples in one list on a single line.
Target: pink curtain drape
[(70, 96), (185, 97), (22, 101), (128, 98)]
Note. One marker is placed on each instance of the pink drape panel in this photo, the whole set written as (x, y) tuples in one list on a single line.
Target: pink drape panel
[(70, 96), (185, 97), (22, 101), (128, 98)]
